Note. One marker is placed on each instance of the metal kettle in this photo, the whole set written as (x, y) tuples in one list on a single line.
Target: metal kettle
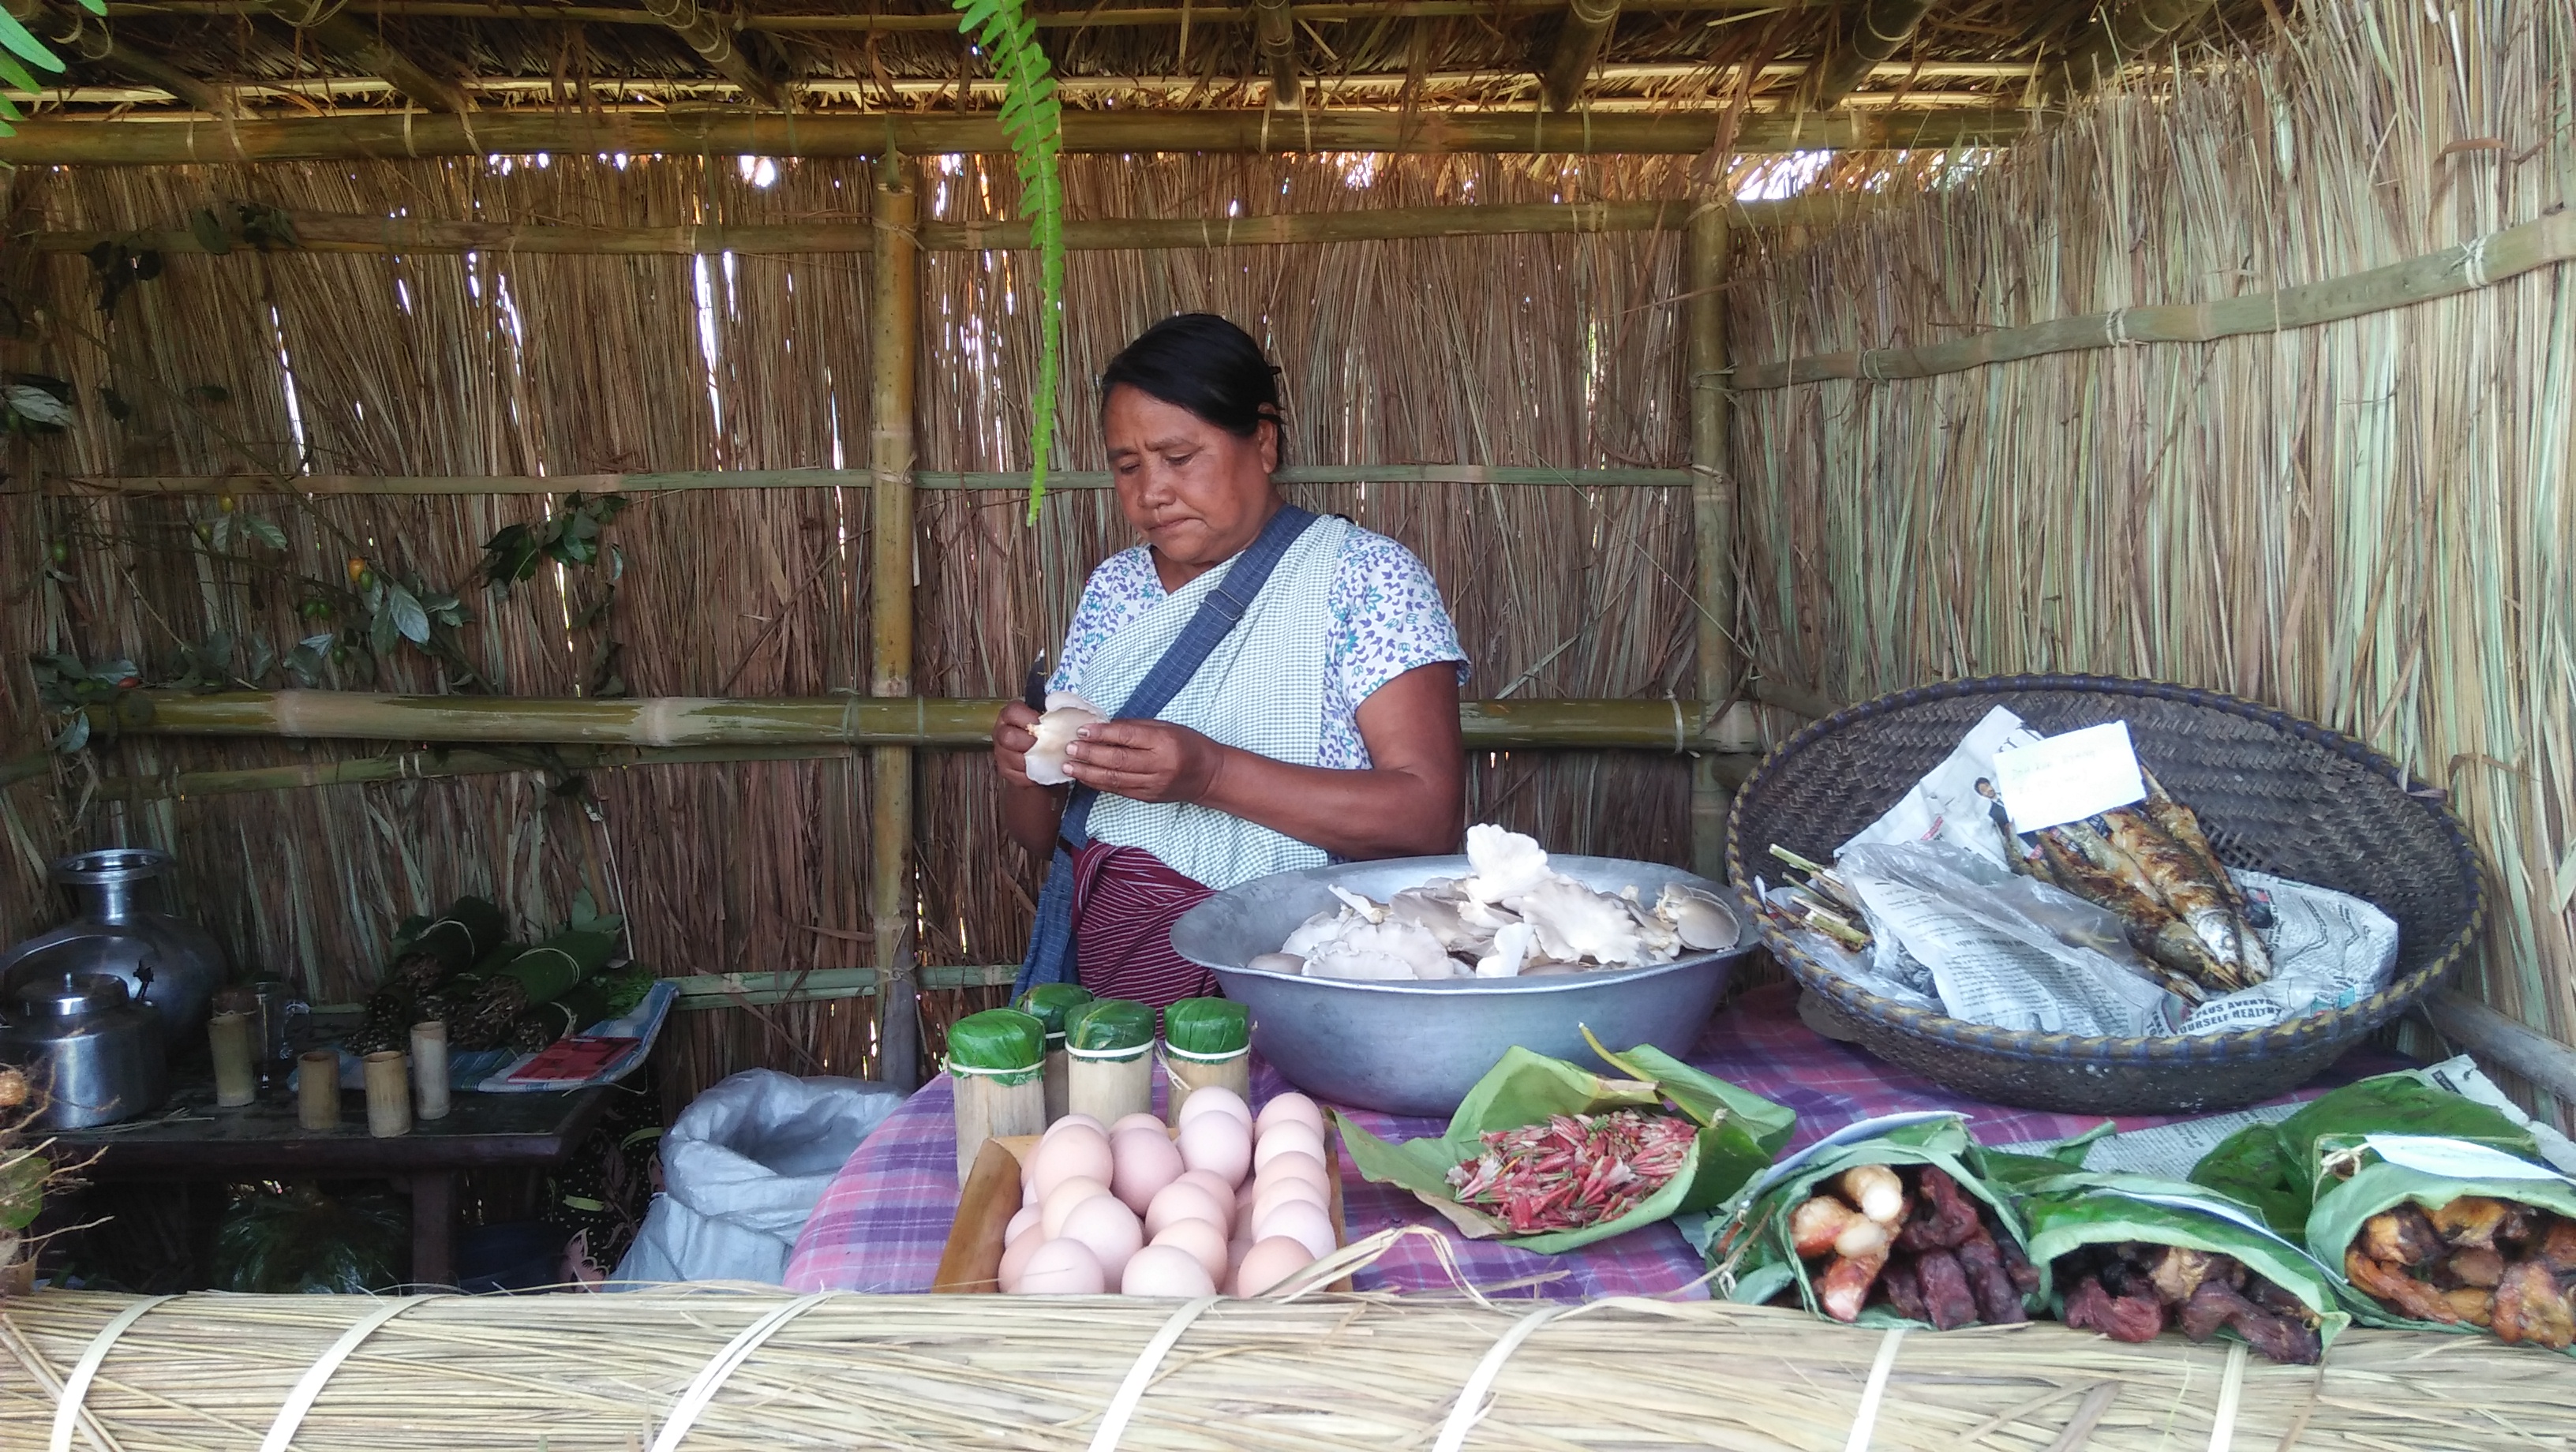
[(94, 1054), (122, 895)]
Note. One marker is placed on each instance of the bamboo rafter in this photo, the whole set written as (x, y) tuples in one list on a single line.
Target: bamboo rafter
[(665, 722), (2480, 262), (134, 142), (688, 479), (371, 235), (945, 23)]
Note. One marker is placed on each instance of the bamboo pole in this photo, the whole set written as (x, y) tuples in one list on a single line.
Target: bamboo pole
[(2505, 1042), (713, 41), (1713, 518), (645, 483), (670, 727), (392, 235), (439, 763), (136, 142), (823, 985), (2120, 36), (365, 47), (894, 340), (1878, 27), (945, 23), (2479, 262), (1578, 45), (1274, 38)]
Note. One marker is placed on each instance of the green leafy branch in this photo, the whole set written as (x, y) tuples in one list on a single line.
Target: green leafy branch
[(571, 537), (20, 49), (1034, 121)]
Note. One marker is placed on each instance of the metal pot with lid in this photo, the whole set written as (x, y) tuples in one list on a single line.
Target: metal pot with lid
[(92, 1052), (122, 895)]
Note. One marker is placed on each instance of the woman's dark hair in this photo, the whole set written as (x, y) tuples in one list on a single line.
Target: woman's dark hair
[(1200, 362)]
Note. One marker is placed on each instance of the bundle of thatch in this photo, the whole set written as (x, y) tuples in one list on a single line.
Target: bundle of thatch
[(203, 1373)]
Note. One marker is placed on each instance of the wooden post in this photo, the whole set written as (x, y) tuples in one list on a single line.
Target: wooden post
[(894, 318), (1713, 518)]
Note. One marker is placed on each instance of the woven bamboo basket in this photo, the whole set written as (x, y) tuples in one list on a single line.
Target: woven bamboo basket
[(2277, 794)]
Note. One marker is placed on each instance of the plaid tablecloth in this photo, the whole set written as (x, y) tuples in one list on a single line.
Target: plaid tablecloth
[(882, 1223)]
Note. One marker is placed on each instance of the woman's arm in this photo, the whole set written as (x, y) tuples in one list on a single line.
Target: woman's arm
[(1030, 812), (1409, 804)]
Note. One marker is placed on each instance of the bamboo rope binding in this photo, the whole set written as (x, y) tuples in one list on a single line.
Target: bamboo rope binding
[(2480, 262)]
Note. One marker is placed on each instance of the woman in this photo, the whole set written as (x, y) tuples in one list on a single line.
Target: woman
[(1323, 724)]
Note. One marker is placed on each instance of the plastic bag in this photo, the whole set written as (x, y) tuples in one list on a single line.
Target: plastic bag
[(742, 1167), (1739, 1133)]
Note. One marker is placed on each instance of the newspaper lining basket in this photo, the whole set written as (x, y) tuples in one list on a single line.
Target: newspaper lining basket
[(2276, 794)]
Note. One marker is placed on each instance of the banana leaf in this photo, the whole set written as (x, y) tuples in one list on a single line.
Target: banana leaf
[(549, 970), (1751, 1249), (470, 928), (1116, 1028), (2431, 1172), (1004, 1043), (1049, 1003), (1739, 1133), (2281, 1169), (2082, 1208), (300, 1241), (1207, 1028)]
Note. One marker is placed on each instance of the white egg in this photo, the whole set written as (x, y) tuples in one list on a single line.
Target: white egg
[(1218, 1190), (1108, 1229), (1182, 1202), (1060, 1202), (1279, 1192), (1147, 1160), (1217, 1143), (1062, 1268), (1286, 1139), (1216, 1099), (1290, 1108), (1077, 1118), (1021, 1224), (1299, 1220), (1268, 1262), (1296, 1166), (1078, 1153), (1166, 1270), (1015, 1260), (1200, 1239)]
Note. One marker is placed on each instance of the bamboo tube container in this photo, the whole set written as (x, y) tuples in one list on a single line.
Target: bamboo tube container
[(388, 1093), (317, 1090), (1206, 1042), (1109, 1073), (429, 1069), (998, 1060), (236, 1078), (1050, 1004)]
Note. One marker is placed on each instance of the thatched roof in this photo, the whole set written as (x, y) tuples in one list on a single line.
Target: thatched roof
[(302, 57)]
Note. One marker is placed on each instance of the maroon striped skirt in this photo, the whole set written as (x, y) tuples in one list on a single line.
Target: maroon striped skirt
[(1125, 901)]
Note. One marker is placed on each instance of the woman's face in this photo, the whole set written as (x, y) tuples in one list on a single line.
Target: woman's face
[(1197, 493)]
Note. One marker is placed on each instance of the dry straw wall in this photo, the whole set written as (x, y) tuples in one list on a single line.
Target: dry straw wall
[(2368, 523), (1525, 351)]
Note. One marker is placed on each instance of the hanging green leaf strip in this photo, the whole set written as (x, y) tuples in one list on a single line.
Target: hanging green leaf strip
[(1034, 121)]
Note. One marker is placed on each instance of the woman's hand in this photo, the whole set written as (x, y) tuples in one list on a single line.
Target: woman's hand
[(1013, 734), (1149, 761)]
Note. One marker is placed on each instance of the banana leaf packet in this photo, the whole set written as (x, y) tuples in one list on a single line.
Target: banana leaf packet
[(1740, 1132), (1207, 1029), (1750, 1247), (1003, 1044), (2065, 1208), (1049, 1004), (1115, 1029), (2373, 1146)]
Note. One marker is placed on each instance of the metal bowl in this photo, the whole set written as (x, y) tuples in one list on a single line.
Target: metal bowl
[(1418, 1047)]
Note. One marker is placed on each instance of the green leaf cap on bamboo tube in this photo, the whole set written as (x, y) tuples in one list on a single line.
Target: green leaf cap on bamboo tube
[(1115, 1029), (1208, 1030), (999, 1043), (1049, 1003)]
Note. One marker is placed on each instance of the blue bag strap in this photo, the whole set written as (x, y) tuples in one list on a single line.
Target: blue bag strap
[(1050, 958)]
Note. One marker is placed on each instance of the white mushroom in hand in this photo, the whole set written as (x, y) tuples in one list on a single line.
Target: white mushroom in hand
[(1066, 713)]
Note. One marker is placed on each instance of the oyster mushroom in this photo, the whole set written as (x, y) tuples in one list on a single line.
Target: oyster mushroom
[(1066, 713), (1387, 950), (1511, 950), (1702, 925), (1507, 864), (1574, 922)]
